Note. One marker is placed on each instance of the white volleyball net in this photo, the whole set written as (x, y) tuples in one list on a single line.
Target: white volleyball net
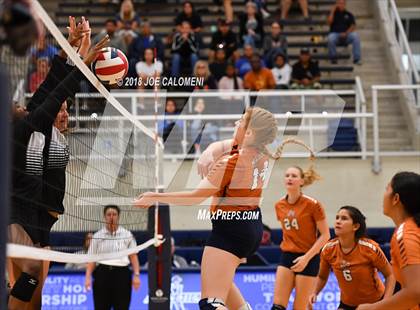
[(112, 157)]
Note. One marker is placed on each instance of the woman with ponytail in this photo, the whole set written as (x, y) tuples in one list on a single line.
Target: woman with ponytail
[(235, 183), (355, 261), (402, 204), (305, 232)]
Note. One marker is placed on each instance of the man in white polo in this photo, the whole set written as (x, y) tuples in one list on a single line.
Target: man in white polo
[(112, 279)]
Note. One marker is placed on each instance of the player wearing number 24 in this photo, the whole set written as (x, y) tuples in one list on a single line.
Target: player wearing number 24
[(355, 261), (301, 217)]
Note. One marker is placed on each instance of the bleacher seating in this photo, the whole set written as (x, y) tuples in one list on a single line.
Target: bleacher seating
[(162, 19)]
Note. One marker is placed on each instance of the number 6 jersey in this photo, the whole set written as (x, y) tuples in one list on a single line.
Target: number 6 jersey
[(356, 271), (298, 221)]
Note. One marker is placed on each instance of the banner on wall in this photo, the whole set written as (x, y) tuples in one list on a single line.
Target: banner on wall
[(67, 292)]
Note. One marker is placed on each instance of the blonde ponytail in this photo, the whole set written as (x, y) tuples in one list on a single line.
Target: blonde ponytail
[(309, 176)]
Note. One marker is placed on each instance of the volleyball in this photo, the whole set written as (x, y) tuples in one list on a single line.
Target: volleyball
[(110, 66)]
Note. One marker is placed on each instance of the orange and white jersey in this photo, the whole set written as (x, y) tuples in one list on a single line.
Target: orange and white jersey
[(405, 249), (240, 178), (356, 271), (298, 221)]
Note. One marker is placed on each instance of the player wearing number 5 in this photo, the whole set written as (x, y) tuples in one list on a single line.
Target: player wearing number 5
[(301, 218), (355, 261)]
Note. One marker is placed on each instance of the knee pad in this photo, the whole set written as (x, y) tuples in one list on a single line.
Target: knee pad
[(211, 304), (24, 287), (246, 306), (277, 307)]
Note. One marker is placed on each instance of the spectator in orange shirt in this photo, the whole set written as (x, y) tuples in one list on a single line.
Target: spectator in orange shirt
[(301, 218), (402, 204), (258, 78), (355, 261)]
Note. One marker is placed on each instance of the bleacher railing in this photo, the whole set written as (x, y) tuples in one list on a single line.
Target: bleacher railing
[(376, 150), (404, 46), (359, 115)]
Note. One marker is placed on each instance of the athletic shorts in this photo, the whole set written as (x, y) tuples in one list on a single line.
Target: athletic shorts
[(287, 258), (37, 223), (239, 237)]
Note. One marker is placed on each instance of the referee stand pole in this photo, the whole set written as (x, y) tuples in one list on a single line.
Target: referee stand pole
[(159, 260), (5, 107)]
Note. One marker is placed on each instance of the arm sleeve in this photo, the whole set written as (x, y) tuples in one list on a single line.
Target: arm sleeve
[(132, 242), (93, 247), (409, 248), (59, 70), (379, 258), (43, 117), (318, 212), (176, 44)]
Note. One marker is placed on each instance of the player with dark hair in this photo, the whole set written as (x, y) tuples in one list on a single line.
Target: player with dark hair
[(355, 261), (301, 218), (402, 204), (33, 212), (113, 281)]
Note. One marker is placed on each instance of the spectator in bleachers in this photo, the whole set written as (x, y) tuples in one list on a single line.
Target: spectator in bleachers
[(342, 31), (116, 40), (230, 82), (224, 38), (282, 72), (218, 67), (37, 77), (243, 64), (258, 78), (177, 260), (86, 243), (148, 68), (128, 21), (146, 39), (202, 132), (286, 4), (127, 18), (201, 70), (43, 50), (305, 72), (184, 46), (190, 15), (173, 128), (251, 26), (274, 44)]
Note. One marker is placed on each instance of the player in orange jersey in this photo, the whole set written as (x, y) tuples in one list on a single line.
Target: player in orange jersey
[(301, 218), (355, 261), (402, 205), (235, 182)]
